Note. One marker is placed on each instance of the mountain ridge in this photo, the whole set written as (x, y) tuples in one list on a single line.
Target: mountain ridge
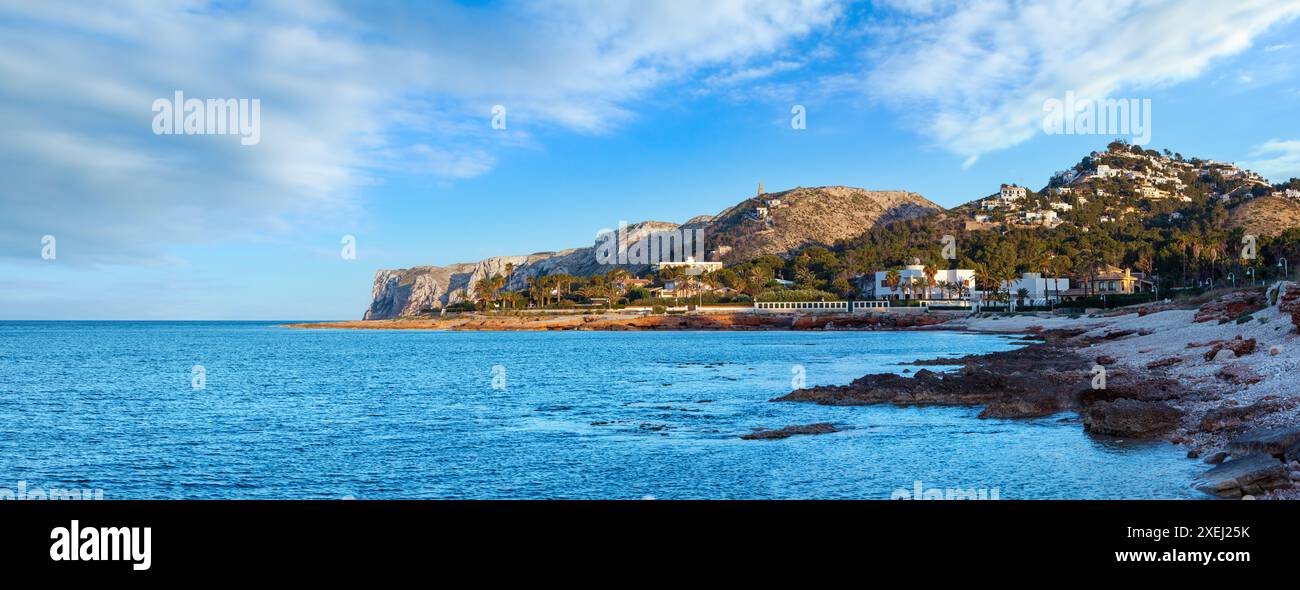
[(766, 224)]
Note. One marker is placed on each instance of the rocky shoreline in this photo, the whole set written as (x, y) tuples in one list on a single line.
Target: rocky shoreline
[(1246, 429)]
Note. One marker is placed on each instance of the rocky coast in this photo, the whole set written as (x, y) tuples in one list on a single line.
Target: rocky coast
[(1219, 379)]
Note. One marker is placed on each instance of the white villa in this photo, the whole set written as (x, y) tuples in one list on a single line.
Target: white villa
[(1007, 197), (690, 265), (912, 281)]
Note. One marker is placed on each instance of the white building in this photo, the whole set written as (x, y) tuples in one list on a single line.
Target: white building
[(1062, 206), (912, 283), (1040, 289), (1011, 193), (1039, 216), (1104, 171), (690, 266)]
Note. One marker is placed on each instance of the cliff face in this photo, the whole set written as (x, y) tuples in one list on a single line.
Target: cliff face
[(410, 291), (774, 223)]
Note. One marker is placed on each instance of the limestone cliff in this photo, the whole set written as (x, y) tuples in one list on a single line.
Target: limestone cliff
[(770, 223)]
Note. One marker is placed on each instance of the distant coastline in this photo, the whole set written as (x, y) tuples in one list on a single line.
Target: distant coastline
[(616, 321)]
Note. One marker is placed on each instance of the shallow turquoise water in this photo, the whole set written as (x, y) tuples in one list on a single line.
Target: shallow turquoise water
[(414, 414)]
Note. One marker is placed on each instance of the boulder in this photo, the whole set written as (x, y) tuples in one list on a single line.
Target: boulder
[(1029, 406), (1231, 306), (1288, 301), (1229, 417), (1216, 457), (1238, 374), (1274, 442), (1146, 390), (1106, 360), (1130, 418), (1164, 362), (788, 431), (1252, 474), (1238, 347)]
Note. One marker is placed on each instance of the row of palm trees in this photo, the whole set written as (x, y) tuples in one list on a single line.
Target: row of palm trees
[(490, 291)]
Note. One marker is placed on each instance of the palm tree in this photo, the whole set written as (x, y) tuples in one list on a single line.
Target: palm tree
[(756, 280), (535, 292), (983, 278), (1007, 277), (929, 271), (1059, 265), (616, 276), (892, 279), (484, 289)]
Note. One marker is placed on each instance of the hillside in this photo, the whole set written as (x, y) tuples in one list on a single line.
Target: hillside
[(767, 224), (1135, 188), (782, 222), (1266, 216)]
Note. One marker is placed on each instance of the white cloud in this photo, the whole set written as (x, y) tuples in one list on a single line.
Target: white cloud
[(974, 75), (348, 94), (1278, 160)]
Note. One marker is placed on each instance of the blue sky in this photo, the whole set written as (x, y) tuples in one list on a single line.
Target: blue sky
[(375, 123)]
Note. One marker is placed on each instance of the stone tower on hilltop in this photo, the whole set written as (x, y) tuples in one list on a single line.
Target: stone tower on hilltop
[(760, 189)]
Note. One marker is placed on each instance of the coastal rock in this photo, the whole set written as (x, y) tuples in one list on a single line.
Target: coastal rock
[(1130, 418), (1238, 347), (1216, 457), (788, 431), (1146, 390), (1288, 301), (1030, 406), (1231, 306), (1164, 362), (1106, 360), (1274, 442), (1238, 374), (1232, 417), (1251, 474)]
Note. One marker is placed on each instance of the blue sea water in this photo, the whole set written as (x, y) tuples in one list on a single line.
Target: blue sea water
[(290, 413)]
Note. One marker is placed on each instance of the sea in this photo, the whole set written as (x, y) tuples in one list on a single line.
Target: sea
[(255, 410)]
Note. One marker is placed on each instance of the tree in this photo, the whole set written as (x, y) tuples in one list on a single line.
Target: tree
[(892, 278), (983, 278), (930, 271), (756, 280)]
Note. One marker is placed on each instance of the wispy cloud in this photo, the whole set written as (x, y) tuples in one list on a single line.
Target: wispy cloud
[(973, 75), (349, 94), (1278, 160)]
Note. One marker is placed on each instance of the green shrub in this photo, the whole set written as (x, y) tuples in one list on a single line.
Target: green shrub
[(797, 295)]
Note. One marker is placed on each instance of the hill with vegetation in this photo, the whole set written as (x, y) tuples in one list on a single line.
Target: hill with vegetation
[(1185, 222)]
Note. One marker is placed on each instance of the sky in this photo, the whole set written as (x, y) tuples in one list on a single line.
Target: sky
[(380, 127)]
